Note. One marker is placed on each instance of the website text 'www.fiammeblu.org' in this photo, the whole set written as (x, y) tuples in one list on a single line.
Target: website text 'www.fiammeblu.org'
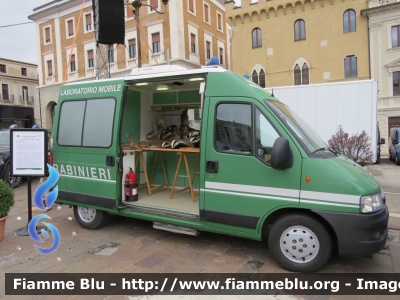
[(207, 284)]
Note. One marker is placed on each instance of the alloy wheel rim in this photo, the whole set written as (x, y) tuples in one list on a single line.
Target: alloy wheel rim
[(299, 244)]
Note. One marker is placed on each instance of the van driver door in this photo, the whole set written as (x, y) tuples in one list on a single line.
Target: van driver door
[(240, 186)]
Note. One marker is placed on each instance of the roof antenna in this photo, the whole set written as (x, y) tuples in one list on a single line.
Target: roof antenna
[(272, 94)]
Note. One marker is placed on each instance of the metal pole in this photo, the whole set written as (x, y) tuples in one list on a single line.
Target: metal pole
[(137, 4), (25, 96), (29, 199)]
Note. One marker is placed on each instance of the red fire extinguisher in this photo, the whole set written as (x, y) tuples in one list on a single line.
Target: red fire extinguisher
[(131, 186)]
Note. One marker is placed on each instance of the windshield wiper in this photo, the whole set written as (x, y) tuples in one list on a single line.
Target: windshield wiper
[(326, 149)]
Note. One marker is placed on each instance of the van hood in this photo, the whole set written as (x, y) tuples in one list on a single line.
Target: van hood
[(338, 175)]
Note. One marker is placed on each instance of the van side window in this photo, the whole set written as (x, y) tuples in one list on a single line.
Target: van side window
[(233, 130), (265, 137), (86, 123)]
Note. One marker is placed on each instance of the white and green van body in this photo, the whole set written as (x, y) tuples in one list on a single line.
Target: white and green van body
[(262, 171)]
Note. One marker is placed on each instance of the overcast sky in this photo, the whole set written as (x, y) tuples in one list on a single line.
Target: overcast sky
[(19, 42)]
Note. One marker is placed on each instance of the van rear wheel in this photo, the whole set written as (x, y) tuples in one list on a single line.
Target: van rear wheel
[(299, 243), (90, 218)]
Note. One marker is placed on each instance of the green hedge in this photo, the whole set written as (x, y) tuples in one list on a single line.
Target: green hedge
[(6, 198)]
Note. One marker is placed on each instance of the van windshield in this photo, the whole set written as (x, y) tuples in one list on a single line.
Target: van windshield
[(303, 132)]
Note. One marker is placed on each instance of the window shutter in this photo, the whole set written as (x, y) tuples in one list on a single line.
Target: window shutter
[(193, 39), (70, 28), (47, 32), (156, 37), (154, 3), (206, 13), (73, 58), (262, 78), (208, 45), (129, 13), (254, 77), (191, 6), (90, 54), (88, 19), (49, 67), (219, 21), (132, 42)]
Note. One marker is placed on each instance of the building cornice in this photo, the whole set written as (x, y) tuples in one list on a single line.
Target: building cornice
[(18, 62), (380, 9), (267, 9), (53, 7), (19, 78)]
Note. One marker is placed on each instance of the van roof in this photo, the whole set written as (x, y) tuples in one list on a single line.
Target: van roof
[(158, 72)]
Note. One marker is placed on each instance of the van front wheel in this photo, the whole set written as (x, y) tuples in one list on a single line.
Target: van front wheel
[(90, 218), (299, 243)]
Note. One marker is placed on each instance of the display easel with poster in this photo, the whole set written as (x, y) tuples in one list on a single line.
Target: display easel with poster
[(28, 159)]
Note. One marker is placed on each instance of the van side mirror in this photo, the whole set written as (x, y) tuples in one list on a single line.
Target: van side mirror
[(282, 156), (382, 141)]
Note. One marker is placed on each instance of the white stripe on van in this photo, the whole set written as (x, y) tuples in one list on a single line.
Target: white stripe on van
[(305, 196), (252, 189), (88, 178), (330, 197), (329, 203), (251, 195)]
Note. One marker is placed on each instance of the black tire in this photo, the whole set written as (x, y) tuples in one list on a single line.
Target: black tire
[(14, 182), (296, 230), (397, 159), (90, 218), (390, 156), (378, 161)]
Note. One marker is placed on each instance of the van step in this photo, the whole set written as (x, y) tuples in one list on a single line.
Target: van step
[(175, 228)]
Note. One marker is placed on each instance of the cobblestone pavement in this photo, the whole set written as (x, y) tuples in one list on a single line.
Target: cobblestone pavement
[(142, 249)]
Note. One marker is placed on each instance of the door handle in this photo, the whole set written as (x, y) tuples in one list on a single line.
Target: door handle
[(212, 166), (110, 160)]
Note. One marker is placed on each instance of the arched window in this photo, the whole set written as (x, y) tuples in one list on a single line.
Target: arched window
[(254, 77), (349, 21), (304, 74), (299, 30), (297, 75), (256, 38), (262, 78)]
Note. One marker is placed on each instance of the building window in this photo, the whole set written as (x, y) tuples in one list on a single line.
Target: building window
[(396, 77), (49, 68), (396, 36), (206, 13), (155, 37), (90, 59), (299, 30), (208, 50), (304, 74), (221, 56), (25, 95), (129, 13), (23, 72), (132, 48), (47, 35), (110, 53), (254, 77), (191, 5), (154, 4), (192, 43), (265, 137), (349, 21), (72, 65), (256, 37), (219, 21), (4, 91), (3, 69), (301, 75), (350, 66), (70, 25), (88, 19), (262, 78)]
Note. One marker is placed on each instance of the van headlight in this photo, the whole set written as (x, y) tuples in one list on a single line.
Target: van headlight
[(372, 203)]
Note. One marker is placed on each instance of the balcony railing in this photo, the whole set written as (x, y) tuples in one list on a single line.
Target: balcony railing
[(72, 75), (50, 79), (90, 72), (156, 58), (29, 100), (7, 97)]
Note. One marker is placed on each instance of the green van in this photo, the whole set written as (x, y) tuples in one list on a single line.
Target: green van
[(258, 171)]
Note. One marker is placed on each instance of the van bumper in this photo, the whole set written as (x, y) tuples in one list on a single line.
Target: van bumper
[(358, 234)]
